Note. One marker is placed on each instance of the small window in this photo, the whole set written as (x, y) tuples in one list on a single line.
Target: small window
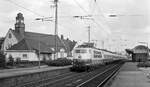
[(81, 51), (24, 56), (10, 35)]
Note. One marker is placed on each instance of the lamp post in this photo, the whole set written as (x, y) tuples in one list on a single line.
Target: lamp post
[(39, 61), (39, 54), (56, 25)]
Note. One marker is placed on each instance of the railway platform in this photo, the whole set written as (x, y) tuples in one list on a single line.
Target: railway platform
[(132, 76), (22, 71)]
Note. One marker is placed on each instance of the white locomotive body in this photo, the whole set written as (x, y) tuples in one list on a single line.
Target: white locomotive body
[(86, 55), (89, 55)]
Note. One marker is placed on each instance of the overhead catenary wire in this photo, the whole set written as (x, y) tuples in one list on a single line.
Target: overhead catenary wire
[(80, 6), (27, 9), (35, 13), (88, 14)]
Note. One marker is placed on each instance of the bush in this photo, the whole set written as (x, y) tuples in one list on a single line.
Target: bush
[(11, 61), (143, 64), (2, 60), (59, 62)]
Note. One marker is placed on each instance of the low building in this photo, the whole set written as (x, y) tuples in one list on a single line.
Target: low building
[(32, 46), (140, 53)]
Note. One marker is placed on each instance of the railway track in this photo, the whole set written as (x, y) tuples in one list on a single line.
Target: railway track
[(73, 79), (100, 79), (85, 79)]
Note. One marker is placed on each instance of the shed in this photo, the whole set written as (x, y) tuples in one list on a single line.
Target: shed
[(140, 53)]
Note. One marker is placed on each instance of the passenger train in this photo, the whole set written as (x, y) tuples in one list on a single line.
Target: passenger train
[(86, 55)]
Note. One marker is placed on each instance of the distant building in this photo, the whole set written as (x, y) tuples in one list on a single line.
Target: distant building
[(140, 53), (28, 45)]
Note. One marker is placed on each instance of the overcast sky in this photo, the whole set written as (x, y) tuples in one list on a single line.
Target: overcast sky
[(131, 25)]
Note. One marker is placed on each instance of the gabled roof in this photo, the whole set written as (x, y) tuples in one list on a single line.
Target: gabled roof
[(45, 38), (69, 44), (29, 44), (17, 35), (140, 49), (31, 41)]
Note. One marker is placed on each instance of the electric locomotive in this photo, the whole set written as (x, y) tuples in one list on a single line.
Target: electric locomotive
[(86, 56)]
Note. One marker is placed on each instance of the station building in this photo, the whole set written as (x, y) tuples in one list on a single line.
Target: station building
[(140, 53), (33, 46)]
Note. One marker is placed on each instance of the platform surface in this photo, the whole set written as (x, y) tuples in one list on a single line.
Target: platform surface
[(132, 76), (21, 71)]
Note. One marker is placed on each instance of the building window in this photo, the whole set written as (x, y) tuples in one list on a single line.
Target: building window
[(24, 56), (10, 35), (62, 51)]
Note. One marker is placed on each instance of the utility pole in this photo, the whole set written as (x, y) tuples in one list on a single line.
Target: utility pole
[(103, 44), (89, 33), (56, 27), (39, 64), (87, 17)]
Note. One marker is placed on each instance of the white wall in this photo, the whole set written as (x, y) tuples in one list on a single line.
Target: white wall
[(59, 55), (8, 42), (31, 56), (46, 56)]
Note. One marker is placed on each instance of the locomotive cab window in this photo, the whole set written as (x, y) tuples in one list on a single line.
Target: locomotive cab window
[(81, 51)]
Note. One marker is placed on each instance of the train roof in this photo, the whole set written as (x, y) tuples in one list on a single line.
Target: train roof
[(86, 45), (91, 45)]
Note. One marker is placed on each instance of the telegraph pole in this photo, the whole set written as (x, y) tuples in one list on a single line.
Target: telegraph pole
[(87, 17), (56, 27), (103, 44), (89, 33), (39, 60)]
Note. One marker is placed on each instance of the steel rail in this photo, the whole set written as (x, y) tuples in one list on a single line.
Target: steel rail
[(79, 76), (34, 82), (106, 79), (96, 76), (47, 84)]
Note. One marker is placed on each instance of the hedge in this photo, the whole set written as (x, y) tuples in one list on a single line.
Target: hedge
[(143, 64), (59, 62)]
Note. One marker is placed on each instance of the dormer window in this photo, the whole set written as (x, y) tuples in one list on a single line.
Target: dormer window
[(10, 36)]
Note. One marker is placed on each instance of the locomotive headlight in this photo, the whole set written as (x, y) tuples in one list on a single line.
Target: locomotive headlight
[(79, 56)]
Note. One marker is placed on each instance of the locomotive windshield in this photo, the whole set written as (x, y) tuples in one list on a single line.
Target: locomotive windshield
[(80, 51)]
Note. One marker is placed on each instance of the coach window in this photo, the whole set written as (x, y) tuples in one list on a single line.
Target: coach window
[(24, 56), (81, 51), (89, 50), (62, 51)]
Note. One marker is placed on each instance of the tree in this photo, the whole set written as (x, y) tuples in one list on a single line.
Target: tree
[(2, 60)]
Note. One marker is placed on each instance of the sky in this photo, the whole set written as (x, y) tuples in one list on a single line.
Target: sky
[(130, 26)]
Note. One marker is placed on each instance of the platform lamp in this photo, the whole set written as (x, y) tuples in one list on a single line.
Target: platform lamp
[(42, 19)]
